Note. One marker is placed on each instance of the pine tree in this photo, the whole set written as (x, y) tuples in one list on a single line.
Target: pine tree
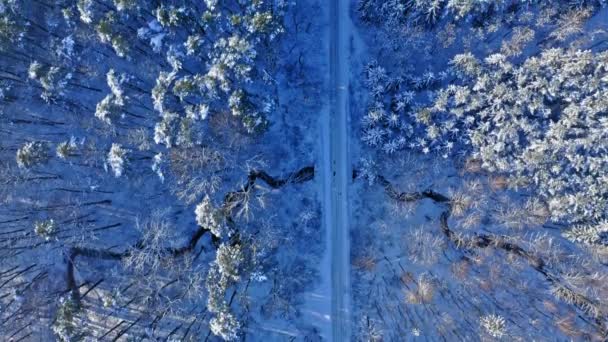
[(32, 153), (45, 229), (117, 159), (537, 121), (207, 216), (225, 325)]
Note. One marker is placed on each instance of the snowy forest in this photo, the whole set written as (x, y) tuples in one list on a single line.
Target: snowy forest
[(303, 170)]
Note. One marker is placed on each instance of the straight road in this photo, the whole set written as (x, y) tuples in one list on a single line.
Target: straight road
[(337, 169)]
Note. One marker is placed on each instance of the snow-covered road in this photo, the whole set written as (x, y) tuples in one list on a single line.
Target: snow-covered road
[(337, 169)]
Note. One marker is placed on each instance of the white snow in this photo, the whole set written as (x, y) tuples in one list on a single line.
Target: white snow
[(155, 26), (157, 42)]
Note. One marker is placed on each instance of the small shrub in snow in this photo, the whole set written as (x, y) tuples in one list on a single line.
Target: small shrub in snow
[(32, 153), (155, 234), (588, 234), (66, 148), (423, 247), (566, 294), (459, 204), (108, 299), (494, 325), (45, 229), (426, 289), (424, 292), (117, 159)]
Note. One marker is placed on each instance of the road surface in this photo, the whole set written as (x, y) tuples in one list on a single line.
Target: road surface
[(336, 169)]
